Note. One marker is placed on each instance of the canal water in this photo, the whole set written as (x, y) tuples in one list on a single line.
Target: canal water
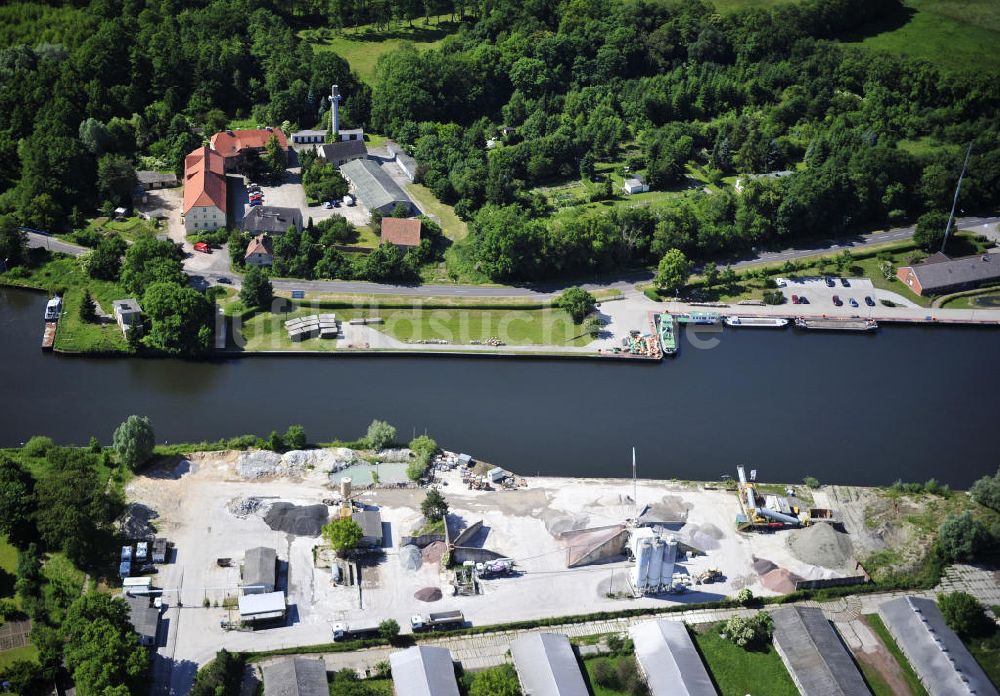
[(905, 403)]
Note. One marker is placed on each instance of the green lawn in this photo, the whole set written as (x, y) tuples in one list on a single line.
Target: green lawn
[(28, 652), (8, 568), (737, 672), (454, 227), (549, 326), (591, 664), (362, 46), (875, 622), (64, 273), (957, 35), (983, 299)]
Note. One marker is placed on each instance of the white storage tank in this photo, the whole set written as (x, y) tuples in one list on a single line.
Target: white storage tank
[(669, 560), (655, 578), (643, 556), (345, 487)]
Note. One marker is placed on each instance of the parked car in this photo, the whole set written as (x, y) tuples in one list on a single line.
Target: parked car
[(328, 205), (829, 282), (803, 300), (225, 281), (256, 196), (203, 248), (780, 282), (256, 201), (795, 299), (837, 301), (869, 301), (845, 282), (851, 301)]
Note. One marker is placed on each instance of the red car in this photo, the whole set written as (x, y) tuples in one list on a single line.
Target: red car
[(795, 299), (837, 301), (203, 248)]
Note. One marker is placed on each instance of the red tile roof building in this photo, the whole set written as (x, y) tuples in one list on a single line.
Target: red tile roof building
[(232, 144), (204, 190), (401, 232)]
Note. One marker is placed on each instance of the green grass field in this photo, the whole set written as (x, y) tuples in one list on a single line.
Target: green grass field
[(957, 35), (63, 273), (737, 671), (28, 652), (591, 664), (362, 46), (549, 327), (454, 227)]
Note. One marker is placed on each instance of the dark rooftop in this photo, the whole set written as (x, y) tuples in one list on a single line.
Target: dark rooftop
[(967, 269)]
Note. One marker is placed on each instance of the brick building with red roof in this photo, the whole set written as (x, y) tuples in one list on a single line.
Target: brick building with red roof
[(233, 144), (204, 191)]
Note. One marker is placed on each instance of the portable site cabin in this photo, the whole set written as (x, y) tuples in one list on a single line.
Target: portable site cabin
[(496, 475), (136, 585), (262, 607), (160, 551), (142, 551), (464, 460)]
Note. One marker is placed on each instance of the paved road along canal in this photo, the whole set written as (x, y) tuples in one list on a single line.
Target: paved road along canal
[(905, 402)]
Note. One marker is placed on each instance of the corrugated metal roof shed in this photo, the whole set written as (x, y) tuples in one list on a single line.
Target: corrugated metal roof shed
[(265, 605), (547, 666), (295, 676), (259, 569), (669, 659), (816, 659), (370, 522), (938, 656), (144, 618), (423, 671), (344, 150), (374, 187)]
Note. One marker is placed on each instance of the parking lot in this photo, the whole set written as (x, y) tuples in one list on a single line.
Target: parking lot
[(820, 295), (290, 194)]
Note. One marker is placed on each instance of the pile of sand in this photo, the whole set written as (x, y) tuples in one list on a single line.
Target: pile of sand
[(410, 558), (300, 520), (780, 580), (428, 594), (433, 552), (704, 537), (762, 566), (821, 545)]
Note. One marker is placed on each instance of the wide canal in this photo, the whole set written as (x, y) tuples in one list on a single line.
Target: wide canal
[(905, 403)]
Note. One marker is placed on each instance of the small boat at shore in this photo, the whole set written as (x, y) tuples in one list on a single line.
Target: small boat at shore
[(757, 322), (667, 329)]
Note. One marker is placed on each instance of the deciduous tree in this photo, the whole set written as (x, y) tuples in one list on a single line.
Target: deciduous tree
[(343, 534), (133, 441)]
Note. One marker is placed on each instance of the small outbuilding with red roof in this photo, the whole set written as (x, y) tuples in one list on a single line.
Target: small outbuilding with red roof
[(402, 232)]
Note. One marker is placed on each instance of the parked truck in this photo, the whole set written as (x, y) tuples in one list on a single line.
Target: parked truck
[(437, 621), (355, 630)]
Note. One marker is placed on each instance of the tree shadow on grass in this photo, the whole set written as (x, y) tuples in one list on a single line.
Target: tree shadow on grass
[(895, 18)]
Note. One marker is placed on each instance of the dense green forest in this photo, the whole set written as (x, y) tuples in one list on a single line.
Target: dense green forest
[(661, 87)]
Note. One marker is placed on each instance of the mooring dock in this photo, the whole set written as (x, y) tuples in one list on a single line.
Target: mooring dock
[(49, 335), (836, 324)]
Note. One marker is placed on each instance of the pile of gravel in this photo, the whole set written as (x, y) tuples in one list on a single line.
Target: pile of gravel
[(256, 464), (428, 594), (780, 580), (300, 520), (704, 537), (245, 507), (433, 552), (762, 566), (821, 545), (410, 557)]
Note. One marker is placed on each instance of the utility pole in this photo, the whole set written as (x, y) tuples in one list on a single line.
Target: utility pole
[(635, 488), (954, 202)]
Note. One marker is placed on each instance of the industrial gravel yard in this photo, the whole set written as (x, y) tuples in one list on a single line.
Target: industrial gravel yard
[(209, 511)]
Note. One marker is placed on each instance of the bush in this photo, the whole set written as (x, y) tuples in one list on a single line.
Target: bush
[(811, 481), (744, 597), (497, 681), (383, 670), (773, 297), (380, 435), (964, 614), (38, 446), (275, 442), (748, 633), (962, 537), (295, 437), (986, 491), (606, 676), (388, 630)]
